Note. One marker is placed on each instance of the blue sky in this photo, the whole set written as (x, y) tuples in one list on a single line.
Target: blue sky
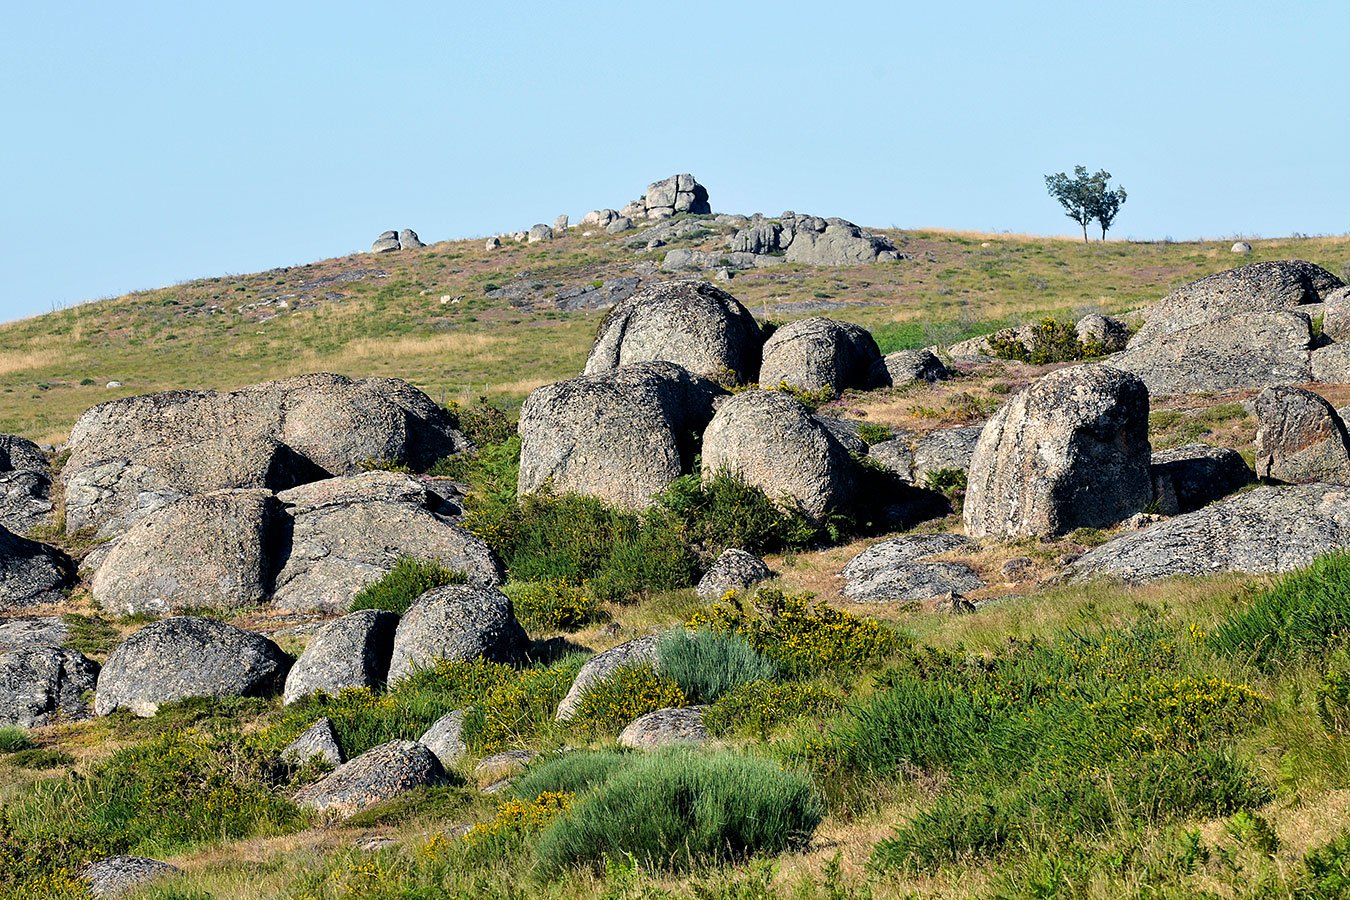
[(148, 143)]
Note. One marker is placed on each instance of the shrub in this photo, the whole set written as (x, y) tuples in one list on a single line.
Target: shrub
[(811, 399), (1326, 869), (574, 772), (483, 423), (678, 809), (41, 758), (756, 708), (628, 692), (383, 464), (519, 709), (871, 433), (552, 605), (1305, 613), (13, 739), (706, 664), (724, 511), (517, 818), (1051, 341), (409, 579), (801, 634)]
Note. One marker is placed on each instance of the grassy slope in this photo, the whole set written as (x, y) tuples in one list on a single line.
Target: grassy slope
[(193, 335)]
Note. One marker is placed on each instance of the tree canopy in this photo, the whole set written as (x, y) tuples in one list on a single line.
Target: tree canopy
[(1087, 197)]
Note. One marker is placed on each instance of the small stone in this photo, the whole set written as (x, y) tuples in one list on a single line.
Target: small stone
[(445, 738), (116, 875), (493, 243), (1019, 568), (319, 741), (1242, 247), (501, 766)]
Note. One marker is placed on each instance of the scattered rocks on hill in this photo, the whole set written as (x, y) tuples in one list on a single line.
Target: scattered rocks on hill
[(690, 323), (116, 875), (25, 485), (42, 685), (1244, 350), (599, 218), (31, 574), (817, 353), (1299, 438), (906, 367), (539, 233), (445, 738), (685, 259), (902, 569), (348, 532), (665, 727), (734, 570), (621, 436), (136, 454), (374, 777), (775, 444), (208, 551), (188, 656), (350, 652), (457, 622), (914, 459), (677, 194), (1109, 333), (1071, 451), (1266, 530), (318, 742), (637, 652), (811, 240), (1197, 474)]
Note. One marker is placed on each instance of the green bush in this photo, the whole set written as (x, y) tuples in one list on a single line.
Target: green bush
[(1326, 869), (483, 423), (811, 399), (574, 772), (799, 633), (409, 579), (724, 511), (679, 809), (13, 739), (552, 605), (1052, 341), (871, 433), (1305, 613), (756, 708), (706, 664), (626, 693), (41, 758)]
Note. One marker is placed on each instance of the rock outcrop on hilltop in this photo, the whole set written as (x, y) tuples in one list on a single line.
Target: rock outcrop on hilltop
[(389, 241)]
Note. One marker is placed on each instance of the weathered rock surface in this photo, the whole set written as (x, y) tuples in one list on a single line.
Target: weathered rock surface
[(386, 242), (734, 570), (116, 875), (677, 194), (839, 243), (318, 742), (690, 323), (445, 738), (42, 685), (350, 652), (374, 777), (25, 485), (637, 652), (1269, 529), (818, 353), (31, 574), (1071, 451), (492, 772), (1299, 438), (348, 532), (1258, 287), (908, 366), (902, 569), (1331, 364), (136, 454), (914, 459), (457, 622), (408, 240), (1244, 350), (775, 444), (539, 233), (1108, 332), (37, 631), (665, 727), (1241, 247), (1336, 314), (188, 656), (1198, 474), (208, 551), (621, 436)]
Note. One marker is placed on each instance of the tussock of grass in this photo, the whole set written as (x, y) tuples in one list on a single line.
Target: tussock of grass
[(707, 664), (1306, 613)]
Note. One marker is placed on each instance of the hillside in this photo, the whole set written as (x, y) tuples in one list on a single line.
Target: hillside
[(381, 314), (1014, 625)]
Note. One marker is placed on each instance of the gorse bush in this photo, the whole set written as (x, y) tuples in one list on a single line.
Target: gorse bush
[(552, 605), (756, 708), (1306, 613), (679, 809), (723, 511), (409, 579), (481, 422), (799, 633), (626, 693), (706, 664), (1051, 341)]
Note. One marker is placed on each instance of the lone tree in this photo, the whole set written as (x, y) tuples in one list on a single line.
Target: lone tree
[(1086, 197)]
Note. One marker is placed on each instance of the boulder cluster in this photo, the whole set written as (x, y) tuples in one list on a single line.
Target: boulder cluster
[(389, 241)]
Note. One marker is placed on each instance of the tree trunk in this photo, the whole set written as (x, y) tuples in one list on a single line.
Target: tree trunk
[(1085, 240), (1103, 231)]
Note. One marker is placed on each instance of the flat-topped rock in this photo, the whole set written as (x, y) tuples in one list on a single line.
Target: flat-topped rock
[(117, 875)]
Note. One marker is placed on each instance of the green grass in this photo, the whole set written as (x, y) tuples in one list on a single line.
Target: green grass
[(409, 579), (1305, 613), (13, 739), (707, 664)]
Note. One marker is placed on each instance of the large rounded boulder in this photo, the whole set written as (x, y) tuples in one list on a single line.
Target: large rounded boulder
[(817, 353), (375, 776), (457, 622), (205, 552), (621, 436), (188, 656), (690, 323), (31, 573), (350, 652), (1071, 451), (774, 443), (344, 533), (1300, 438)]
